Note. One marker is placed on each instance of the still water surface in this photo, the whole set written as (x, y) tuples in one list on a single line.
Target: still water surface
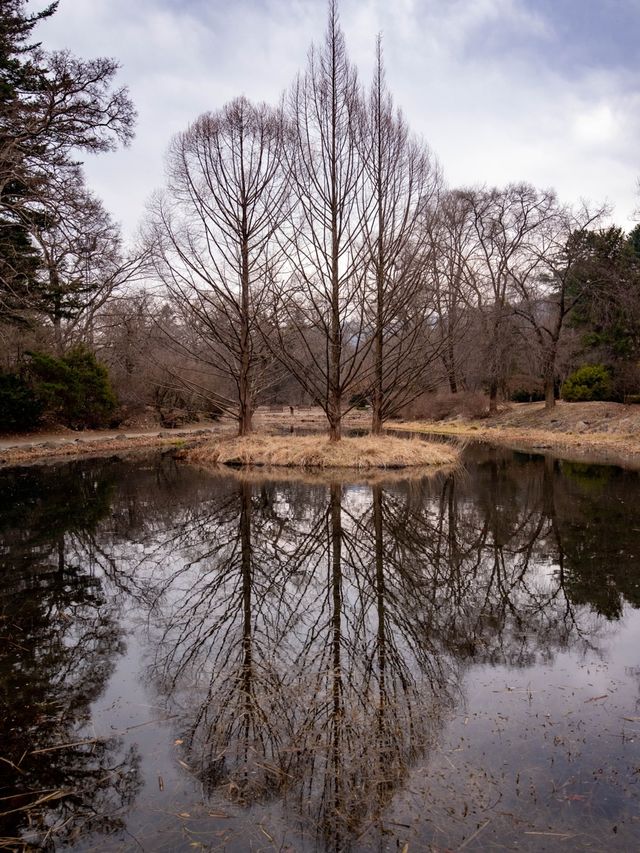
[(192, 661)]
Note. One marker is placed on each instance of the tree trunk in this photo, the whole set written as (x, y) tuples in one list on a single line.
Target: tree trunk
[(453, 383), (549, 392), (548, 376), (334, 417), (378, 393), (335, 389), (450, 357), (244, 379), (378, 390), (493, 397), (54, 284), (376, 420)]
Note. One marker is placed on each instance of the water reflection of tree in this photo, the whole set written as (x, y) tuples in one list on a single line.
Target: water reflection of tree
[(496, 563), (60, 640), (570, 527), (375, 686), (597, 521), (303, 640), (220, 615)]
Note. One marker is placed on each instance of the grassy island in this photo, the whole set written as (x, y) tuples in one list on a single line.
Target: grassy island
[(316, 451)]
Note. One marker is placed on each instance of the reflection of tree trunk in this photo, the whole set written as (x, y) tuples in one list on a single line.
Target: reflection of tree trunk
[(452, 530), (337, 686), (247, 659), (549, 507), (384, 747)]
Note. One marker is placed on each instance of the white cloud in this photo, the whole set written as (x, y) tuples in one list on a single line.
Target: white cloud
[(492, 111)]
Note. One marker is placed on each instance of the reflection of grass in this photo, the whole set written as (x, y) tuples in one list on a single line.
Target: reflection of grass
[(590, 478), (313, 451), (260, 474)]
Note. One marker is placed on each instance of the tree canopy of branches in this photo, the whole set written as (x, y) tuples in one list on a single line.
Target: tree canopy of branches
[(401, 186), (318, 313), (210, 234)]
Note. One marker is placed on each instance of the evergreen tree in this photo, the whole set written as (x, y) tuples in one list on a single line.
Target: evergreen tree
[(52, 106)]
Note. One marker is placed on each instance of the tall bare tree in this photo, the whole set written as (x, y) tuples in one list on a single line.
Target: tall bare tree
[(451, 244), (211, 234), (318, 314), (401, 187)]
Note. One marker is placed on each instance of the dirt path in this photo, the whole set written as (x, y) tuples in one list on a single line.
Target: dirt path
[(56, 446)]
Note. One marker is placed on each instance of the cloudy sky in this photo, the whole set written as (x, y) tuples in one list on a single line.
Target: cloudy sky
[(546, 91)]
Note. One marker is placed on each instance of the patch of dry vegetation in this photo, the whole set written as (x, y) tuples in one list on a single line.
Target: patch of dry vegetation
[(607, 432), (314, 451)]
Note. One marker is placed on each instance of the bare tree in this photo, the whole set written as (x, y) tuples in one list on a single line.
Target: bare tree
[(321, 301), (210, 235), (451, 243), (402, 184), (505, 223)]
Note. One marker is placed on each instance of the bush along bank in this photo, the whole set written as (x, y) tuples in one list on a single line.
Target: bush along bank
[(73, 390)]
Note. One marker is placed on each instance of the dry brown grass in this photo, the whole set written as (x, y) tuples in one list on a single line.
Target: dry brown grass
[(314, 451), (606, 432)]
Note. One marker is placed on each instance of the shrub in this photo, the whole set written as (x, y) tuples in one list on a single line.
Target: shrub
[(587, 383), (20, 408), (74, 389)]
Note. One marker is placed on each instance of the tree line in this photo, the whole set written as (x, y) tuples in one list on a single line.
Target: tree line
[(308, 252)]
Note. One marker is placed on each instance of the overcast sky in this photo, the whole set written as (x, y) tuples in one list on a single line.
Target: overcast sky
[(545, 91)]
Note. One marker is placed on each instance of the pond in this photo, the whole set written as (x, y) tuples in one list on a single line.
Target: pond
[(218, 662)]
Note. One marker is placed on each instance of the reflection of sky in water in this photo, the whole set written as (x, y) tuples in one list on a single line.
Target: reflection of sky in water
[(490, 709)]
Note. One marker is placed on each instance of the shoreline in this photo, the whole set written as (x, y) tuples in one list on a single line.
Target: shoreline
[(593, 447), (59, 448), (596, 433)]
